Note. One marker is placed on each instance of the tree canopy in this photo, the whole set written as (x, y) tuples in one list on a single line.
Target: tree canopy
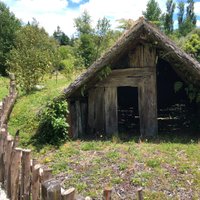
[(32, 56), (153, 12), (9, 24)]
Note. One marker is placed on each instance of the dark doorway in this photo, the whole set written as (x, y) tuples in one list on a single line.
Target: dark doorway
[(128, 114), (174, 106)]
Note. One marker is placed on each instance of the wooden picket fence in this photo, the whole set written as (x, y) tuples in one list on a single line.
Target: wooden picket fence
[(22, 177)]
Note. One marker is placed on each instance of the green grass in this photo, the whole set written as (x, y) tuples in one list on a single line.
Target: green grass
[(164, 170), (4, 84), (28, 105)]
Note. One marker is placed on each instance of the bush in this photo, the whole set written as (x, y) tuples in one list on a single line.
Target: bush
[(53, 127)]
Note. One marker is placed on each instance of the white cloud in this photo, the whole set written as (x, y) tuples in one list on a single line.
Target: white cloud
[(53, 13), (117, 9), (49, 13), (197, 8), (198, 23)]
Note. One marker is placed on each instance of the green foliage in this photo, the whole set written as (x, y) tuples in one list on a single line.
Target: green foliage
[(83, 24), (192, 45), (9, 24), (102, 33), (4, 83), (186, 21), (61, 37), (104, 72), (32, 57), (153, 12), (53, 127), (168, 17)]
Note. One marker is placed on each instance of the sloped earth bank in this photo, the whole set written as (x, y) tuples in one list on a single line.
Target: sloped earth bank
[(164, 170)]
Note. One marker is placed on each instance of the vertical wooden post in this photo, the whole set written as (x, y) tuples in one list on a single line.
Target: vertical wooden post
[(68, 194), (107, 194), (145, 57), (15, 170), (140, 195), (2, 153), (111, 110), (36, 182), (51, 190), (46, 175), (8, 152), (96, 113), (26, 174)]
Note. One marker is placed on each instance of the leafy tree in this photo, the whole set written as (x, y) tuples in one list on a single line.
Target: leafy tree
[(186, 21), (153, 12), (85, 44), (32, 57), (168, 17), (61, 37), (9, 24), (191, 44), (83, 24), (102, 35)]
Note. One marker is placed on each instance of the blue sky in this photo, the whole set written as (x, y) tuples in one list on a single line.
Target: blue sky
[(53, 13)]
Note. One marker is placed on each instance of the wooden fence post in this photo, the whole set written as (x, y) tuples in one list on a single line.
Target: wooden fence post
[(46, 175), (68, 194), (51, 190), (36, 182), (2, 153), (8, 152), (15, 170), (26, 174), (107, 194), (140, 195)]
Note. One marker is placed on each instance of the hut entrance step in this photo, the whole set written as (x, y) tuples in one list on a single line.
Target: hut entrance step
[(128, 114)]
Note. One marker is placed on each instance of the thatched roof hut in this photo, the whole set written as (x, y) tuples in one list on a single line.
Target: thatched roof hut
[(132, 62)]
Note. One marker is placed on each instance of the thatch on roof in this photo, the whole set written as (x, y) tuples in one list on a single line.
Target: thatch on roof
[(184, 64)]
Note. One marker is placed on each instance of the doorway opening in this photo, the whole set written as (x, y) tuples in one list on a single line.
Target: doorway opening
[(128, 114)]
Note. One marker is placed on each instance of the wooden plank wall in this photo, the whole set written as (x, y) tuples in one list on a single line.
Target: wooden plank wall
[(100, 115)]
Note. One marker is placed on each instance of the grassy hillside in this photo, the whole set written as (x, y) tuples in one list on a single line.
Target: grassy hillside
[(4, 84), (24, 115)]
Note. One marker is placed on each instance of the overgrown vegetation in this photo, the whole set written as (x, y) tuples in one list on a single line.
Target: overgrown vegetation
[(53, 126), (25, 113)]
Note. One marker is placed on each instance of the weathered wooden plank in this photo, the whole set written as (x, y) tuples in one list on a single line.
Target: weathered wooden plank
[(51, 190), (96, 110), (131, 72), (84, 113), (143, 56), (151, 106), (91, 110), (111, 114), (26, 174), (15, 170), (78, 119), (141, 103), (99, 111), (68, 194), (36, 182), (120, 82), (73, 120)]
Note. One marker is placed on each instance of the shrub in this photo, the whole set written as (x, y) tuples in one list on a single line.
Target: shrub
[(53, 127)]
